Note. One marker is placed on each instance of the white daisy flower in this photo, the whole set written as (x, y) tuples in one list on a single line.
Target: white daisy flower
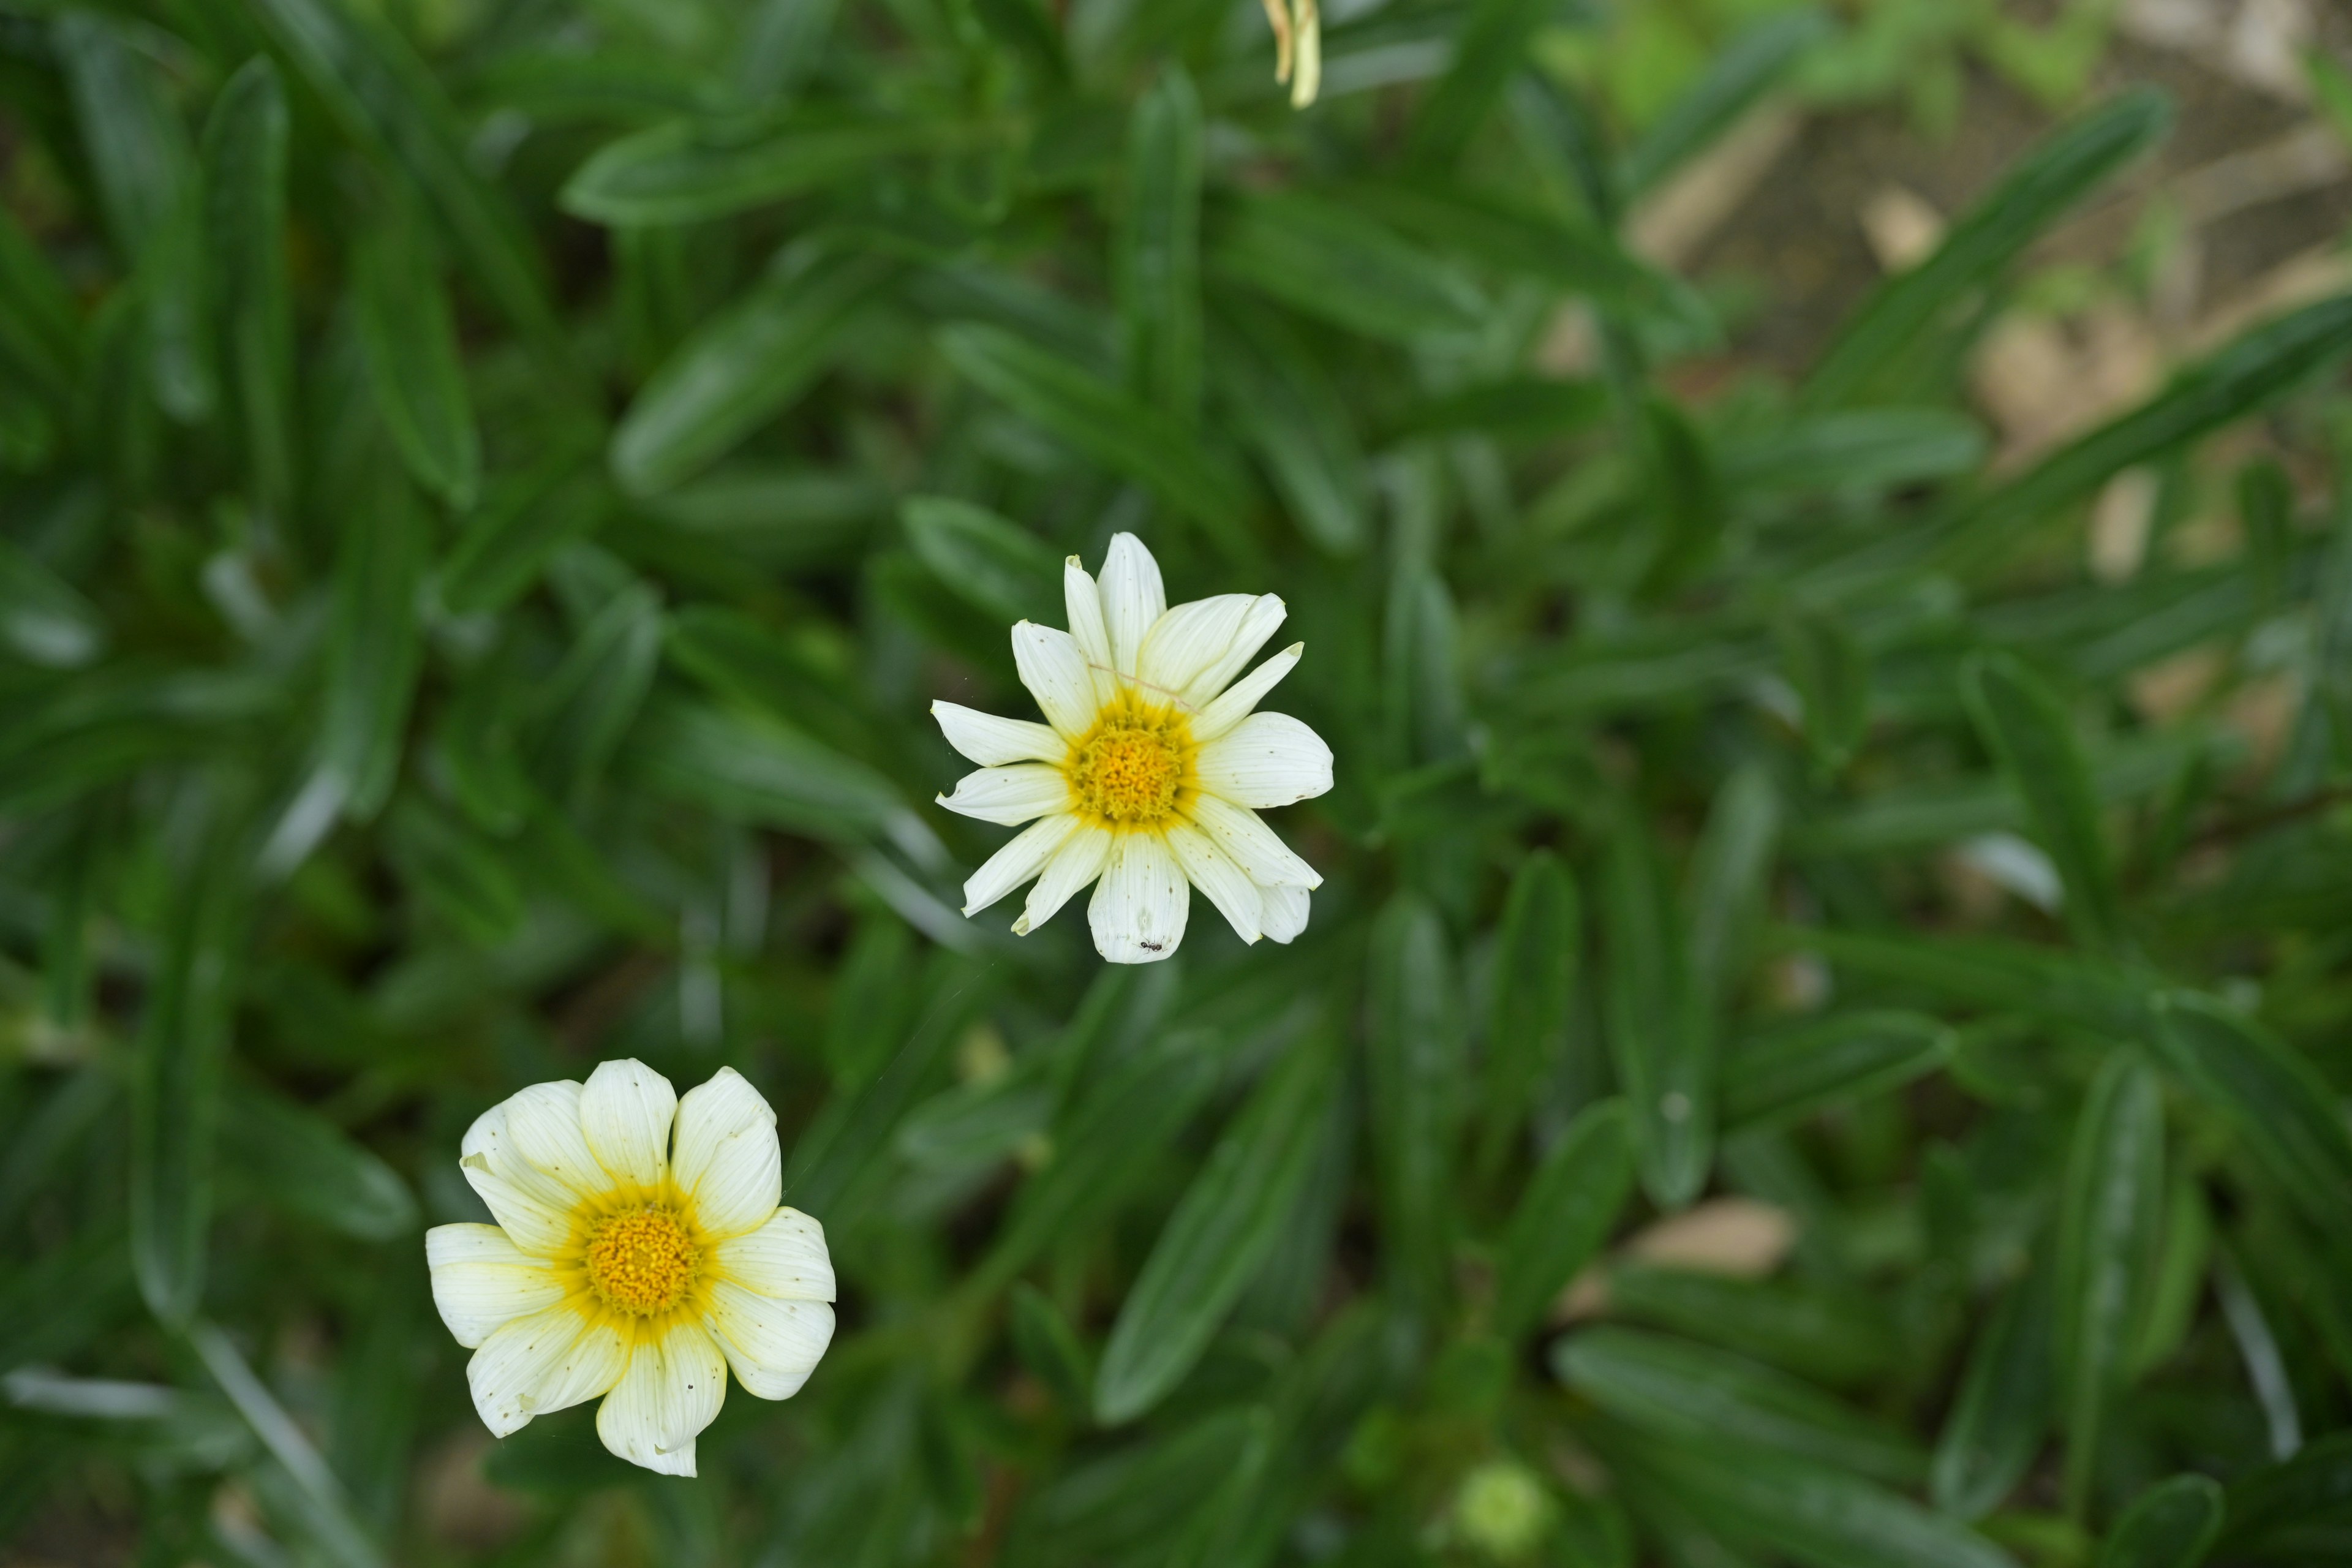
[(639, 1253), (1149, 770)]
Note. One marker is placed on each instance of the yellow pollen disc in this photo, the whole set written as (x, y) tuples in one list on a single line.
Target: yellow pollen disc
[(1129, 769), (642, 1261)]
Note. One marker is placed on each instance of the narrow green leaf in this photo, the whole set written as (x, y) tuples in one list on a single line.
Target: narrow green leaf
[(1213, 1242), (53, 1305), (373, 649), (1539, 948), (1323, 257), (40, 327), (1565, 1216), (327, 1508), (43, 618), (1817, 1515), (412, 361), (1101, 421), (1048, 1346), (2296, 1513), (1826, 1335), (1860, 450), (1840, 1060), (1674, 1390), (1415, 1049), (1827, 666), (1288, 409), (1987, 974), (688, 172), (1659, 1032), (1730, 873), (521, 522), (2006, 1395), (2051, 179), (292, 1157), (387, 100), (1157, 261), (245, 160), (742, 369), (2110, 1211), (1111, 1138), (1747, 68), (989, 560), (2028, 729), (1492, 45), (176, 1084), (1512, 236), (589, 700), (1688, 504), (2173, 1525), (749, 769), (2287, 1114)]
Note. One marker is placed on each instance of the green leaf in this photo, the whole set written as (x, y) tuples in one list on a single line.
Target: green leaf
[(1817, 1515), (991, 563), (1101, 421), (373, 649), (1729, 874), (1841, 1060), (742, 369), (2285, 1111), (1826, 1336), (2294, 1512), (387, 101), (589, 700), (1492, 45), (1860, 450), (1989, 974), (1288, 409), (244, 163), (176, 1076), (1659, 1033), (2172, 1524), (1413, 1058), (749, 769), (1675, 1391), (290, 1156), (1110, 1138), (40, 328), (53, 1305), (327, 1512), (2027, 729), (688, 172), (1570, 1206), (1219, 1234), (1831, 676), (2006, 1395), (413, 359), (2110, 1211), (2051, 179), (521, 522), (1748, 67), (42, 618), (1538, 950), (1325, 259), (1158, 258), (1048, 1346)]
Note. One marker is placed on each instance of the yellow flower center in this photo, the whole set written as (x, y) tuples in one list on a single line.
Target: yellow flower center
[(1128, 771), (642, 1261)]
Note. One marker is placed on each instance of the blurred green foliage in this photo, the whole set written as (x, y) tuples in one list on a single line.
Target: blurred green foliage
[(488, 490)]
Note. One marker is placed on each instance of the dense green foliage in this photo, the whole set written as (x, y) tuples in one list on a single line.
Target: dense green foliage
[(488, 491)]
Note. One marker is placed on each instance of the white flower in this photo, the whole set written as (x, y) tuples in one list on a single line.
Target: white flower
[(638, 1253), (1149, 768)]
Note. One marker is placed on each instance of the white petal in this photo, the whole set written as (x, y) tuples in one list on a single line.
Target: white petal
[(1138, 908), (728, 1159), (1267, 760), (1133, 597), (672, 1390), (784, 1257), (1250, 843), (772, 1345), (1017, 861), (1010, 796), (990, 741), (1282, 912), (1088, 629), (548, 1361), (482, 1281), (626, 1109), (1230, 708), (1189, 639), (1078, 861), (532, 1208), (1226, 884), (1055, 673), (543, 1122), (1262, 620)]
